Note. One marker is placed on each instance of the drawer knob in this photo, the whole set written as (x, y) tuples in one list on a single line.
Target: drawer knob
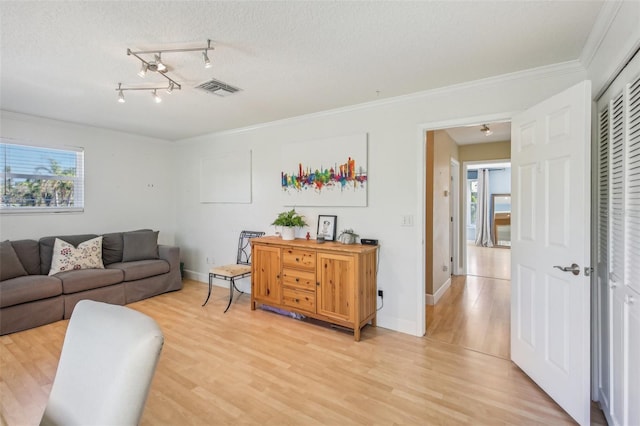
[(297, 280), (297, 300), (297, 259)]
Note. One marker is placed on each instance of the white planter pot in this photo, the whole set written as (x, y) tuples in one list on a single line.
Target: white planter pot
[(288, 233)]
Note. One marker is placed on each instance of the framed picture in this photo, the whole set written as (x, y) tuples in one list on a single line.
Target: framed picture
[(327, 227)]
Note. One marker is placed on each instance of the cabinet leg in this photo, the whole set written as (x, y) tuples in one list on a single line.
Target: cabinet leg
[(374, 322), (356, 334)]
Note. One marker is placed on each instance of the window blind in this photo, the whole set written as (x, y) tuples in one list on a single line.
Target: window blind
[(40, 179)]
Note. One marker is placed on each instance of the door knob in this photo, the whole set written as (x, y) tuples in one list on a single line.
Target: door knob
[(574, 269)]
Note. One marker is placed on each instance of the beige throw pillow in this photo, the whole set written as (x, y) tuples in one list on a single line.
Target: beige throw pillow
[(66, 257)]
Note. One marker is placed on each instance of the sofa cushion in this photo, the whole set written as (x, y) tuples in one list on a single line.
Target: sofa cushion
[(46, 248), (141, 268), (66, 257), (29, 253), (112, 248), (28, 288), (139, 245), (87, 279), (10, 265)]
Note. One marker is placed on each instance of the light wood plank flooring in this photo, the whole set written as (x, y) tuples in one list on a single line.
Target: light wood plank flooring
[(257, 367), (491, 262), (474, 313)]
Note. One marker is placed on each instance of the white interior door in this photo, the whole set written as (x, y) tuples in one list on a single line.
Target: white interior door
[(550, 313)]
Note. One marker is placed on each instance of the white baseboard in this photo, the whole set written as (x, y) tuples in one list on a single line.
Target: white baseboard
[(432, 299)]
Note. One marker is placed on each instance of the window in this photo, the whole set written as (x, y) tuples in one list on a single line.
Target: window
[(37, 179)]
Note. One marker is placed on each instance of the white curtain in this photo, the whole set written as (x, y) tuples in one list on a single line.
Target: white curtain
[(483, 219)]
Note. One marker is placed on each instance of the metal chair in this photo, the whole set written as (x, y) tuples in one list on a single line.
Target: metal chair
[(235, 271)]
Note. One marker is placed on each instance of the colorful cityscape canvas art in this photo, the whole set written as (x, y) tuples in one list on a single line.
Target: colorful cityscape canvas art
[(327, 172)]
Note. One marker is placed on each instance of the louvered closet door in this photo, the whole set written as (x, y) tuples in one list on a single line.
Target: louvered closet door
[(602, 258), (632, 261), (616, 258), (618, 247)]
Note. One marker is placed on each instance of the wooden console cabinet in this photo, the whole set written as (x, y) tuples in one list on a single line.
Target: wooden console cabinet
[(331, 282)]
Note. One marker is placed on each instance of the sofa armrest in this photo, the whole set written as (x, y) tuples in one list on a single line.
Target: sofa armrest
[(171, 254)]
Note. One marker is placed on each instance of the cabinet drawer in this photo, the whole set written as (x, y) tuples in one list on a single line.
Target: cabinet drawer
[(305, 280), (299, 299), (299, 259)]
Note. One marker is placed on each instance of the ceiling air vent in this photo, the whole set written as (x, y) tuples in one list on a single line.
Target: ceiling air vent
[(217, 88)]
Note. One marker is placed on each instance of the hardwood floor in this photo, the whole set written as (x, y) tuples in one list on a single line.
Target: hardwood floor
[(474, 313), (490, 262), (257, 367)]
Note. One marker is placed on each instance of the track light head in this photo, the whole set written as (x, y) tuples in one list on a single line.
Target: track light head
[(121, 96), (170, 88), (157, 64), (205, 58), (156, 98), (143, 70)]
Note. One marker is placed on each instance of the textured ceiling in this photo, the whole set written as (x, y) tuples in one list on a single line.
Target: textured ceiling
[(63, 60)]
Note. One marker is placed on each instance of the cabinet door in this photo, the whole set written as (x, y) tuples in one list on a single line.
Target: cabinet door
[(335, 294), (265, 276)]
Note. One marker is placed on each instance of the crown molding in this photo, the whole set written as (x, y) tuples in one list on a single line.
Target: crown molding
[(599, 31), (546, 71)]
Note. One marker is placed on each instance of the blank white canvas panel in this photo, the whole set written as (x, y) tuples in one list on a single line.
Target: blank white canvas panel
[(226, 178)]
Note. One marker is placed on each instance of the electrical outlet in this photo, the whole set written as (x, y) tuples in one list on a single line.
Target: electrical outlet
[(381, 293)]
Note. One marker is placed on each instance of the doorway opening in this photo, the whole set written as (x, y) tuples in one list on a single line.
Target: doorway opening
[(474, 310)]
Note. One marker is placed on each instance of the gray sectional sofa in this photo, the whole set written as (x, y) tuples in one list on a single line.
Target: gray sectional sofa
[(135, 268)]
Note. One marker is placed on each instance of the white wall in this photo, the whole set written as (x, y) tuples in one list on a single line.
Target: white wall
[(396, 178), (129, 181)]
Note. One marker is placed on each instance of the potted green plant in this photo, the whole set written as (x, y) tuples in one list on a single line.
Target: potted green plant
[(348, 236), (289, 221)]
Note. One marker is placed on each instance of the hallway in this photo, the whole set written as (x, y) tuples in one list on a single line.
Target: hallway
[(475, 312)]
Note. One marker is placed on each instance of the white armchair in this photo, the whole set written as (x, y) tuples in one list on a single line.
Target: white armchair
[(107, 363)]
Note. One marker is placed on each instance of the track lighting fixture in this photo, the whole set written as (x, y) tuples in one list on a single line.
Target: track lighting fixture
[(154, 90), (156, 65), (486, 130)]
